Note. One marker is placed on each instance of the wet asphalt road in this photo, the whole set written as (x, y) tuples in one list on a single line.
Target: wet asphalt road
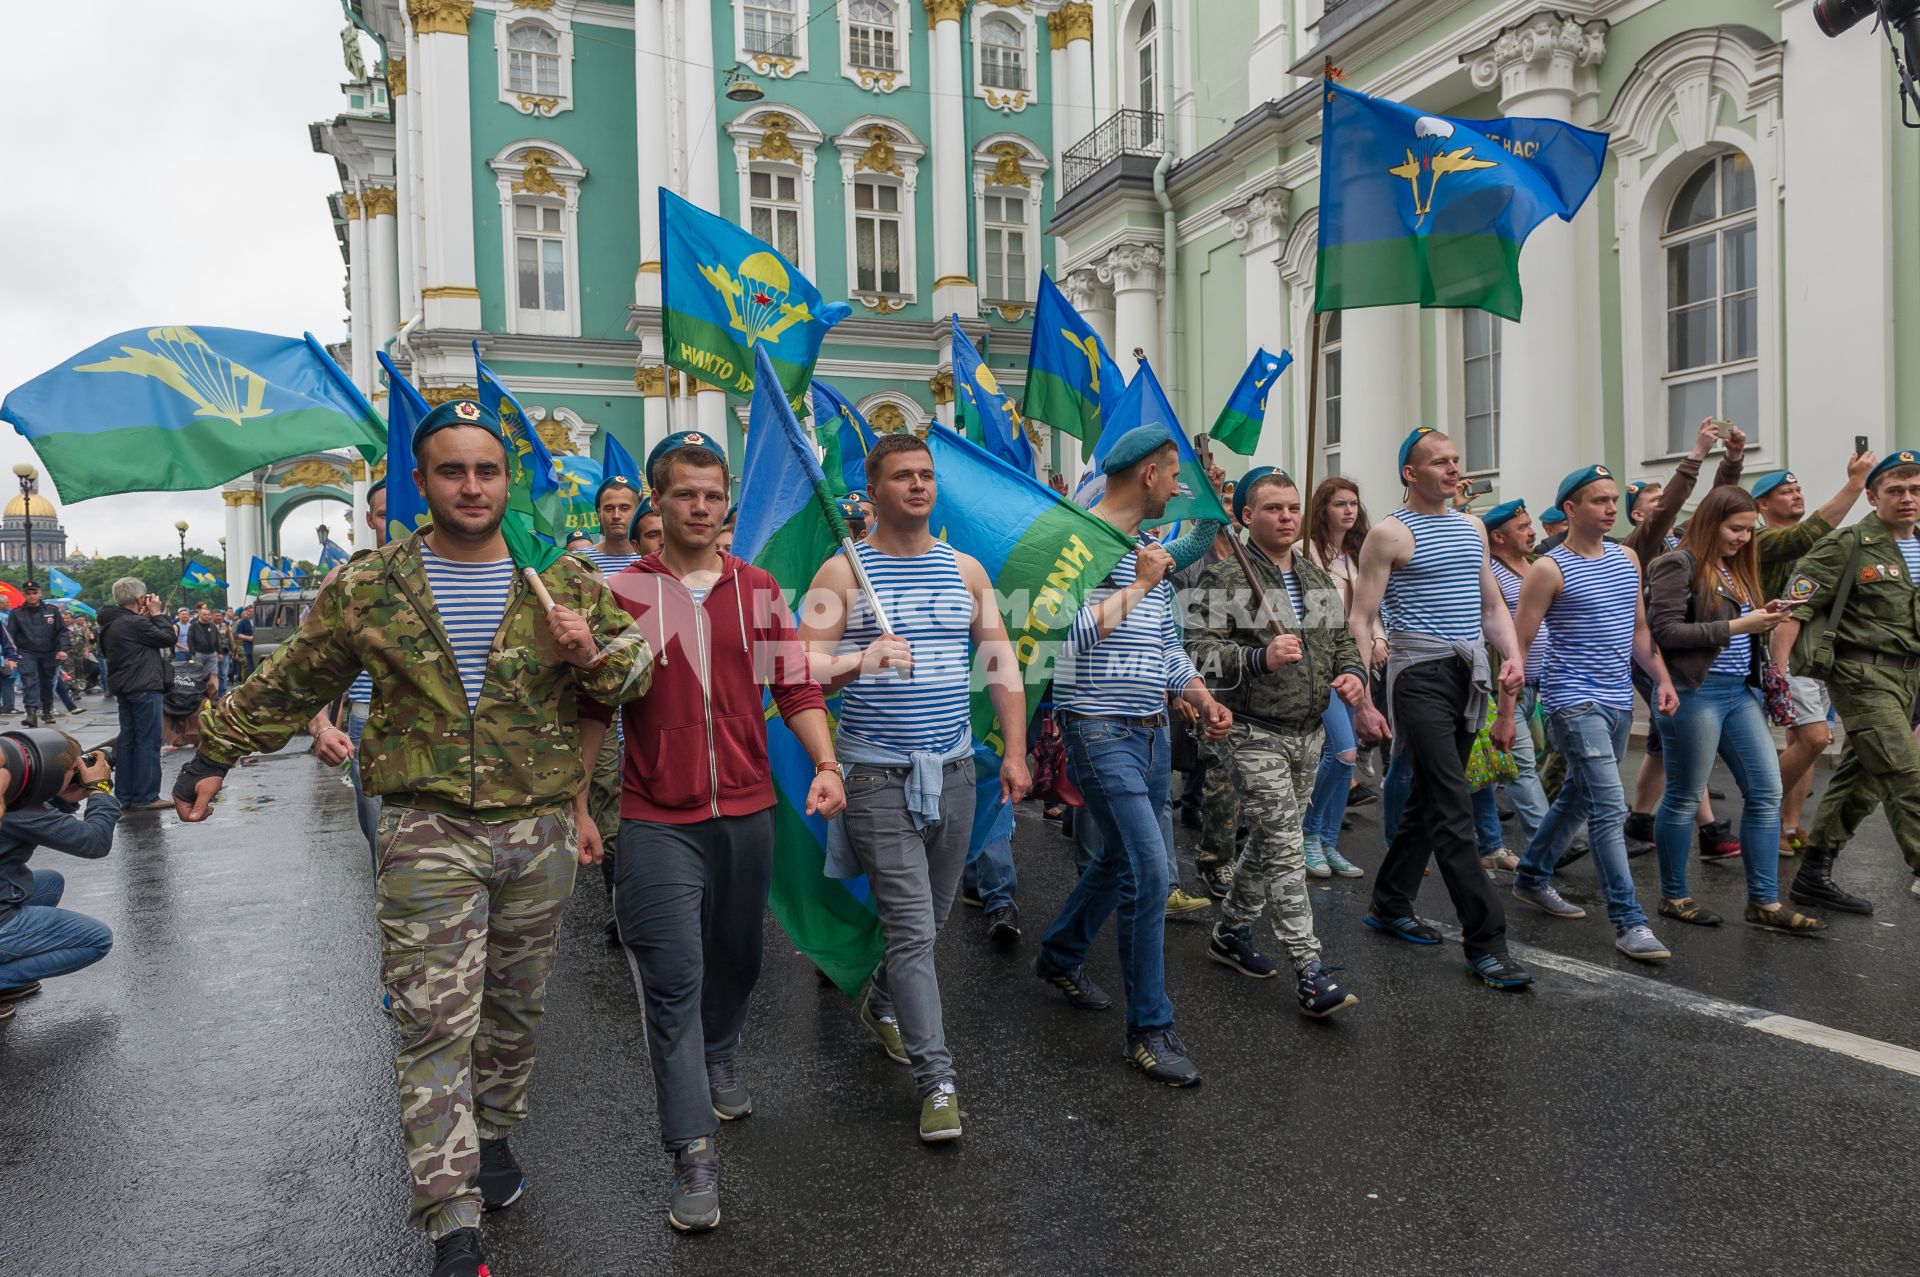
[(215, 1097)]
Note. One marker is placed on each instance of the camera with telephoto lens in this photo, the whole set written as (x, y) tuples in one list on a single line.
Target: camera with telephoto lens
[(38, 761), (1834, 17)]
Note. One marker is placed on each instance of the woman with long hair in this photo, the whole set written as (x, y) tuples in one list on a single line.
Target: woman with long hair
[(1707, 615), (1336, 528)]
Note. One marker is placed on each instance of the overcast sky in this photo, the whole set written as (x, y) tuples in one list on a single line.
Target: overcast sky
[(160, 173)]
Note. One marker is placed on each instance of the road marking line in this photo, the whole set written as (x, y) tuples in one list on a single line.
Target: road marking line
[(1871, 1050)]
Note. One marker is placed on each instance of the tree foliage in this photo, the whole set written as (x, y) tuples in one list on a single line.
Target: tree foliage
[(161, 572)]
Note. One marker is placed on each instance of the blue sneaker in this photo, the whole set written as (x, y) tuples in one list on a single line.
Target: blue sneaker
[(1316, 859), (1320, 995), (1405, 927), (1340, 864), (1500, 971), (1233, 947)]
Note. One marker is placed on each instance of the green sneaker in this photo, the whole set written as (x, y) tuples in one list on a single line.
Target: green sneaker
[(940, 1114), (884, 1028)]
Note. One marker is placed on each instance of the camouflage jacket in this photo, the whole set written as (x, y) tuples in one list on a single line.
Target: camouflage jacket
[(1226, 638), (514, 755)]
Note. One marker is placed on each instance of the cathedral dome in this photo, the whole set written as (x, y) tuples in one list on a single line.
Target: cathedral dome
[(41, 508)]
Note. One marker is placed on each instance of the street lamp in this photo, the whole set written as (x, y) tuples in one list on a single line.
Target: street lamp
[(27, 475), (181, 528)]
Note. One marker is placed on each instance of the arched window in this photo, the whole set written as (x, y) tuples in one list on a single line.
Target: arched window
[(871, 34), (1003, 54), (1711, 246), (539, 190), (1480, 373), (1146, 60), (770, 27), (1330, 394), (533, 60)]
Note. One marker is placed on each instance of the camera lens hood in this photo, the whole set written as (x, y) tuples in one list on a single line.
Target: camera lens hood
[(38, 759)]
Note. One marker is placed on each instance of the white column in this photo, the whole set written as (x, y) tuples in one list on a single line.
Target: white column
[(235, 566), (652, 384), (1380, 398), (359, 292), (1133, 271), (1272, 54), (954, 292), (446, 160), (1093, 299), (1261, 225), (1549, 378), (380, 206), (703, 149), (406, 270), (650, 136)]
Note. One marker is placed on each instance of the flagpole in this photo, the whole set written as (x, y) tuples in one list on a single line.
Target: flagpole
[(1313, 394)]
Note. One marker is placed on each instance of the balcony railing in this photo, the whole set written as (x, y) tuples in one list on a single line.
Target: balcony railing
[(1125, 132)]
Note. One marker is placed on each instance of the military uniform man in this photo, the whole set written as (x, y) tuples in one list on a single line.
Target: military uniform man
[(1276, 685), (1875, 678), (473, 743)]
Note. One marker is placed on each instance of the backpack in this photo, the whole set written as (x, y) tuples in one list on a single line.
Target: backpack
[(186, 687), (1813, 649)]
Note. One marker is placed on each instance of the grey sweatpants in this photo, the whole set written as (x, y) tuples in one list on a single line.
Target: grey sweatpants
[(914, 874), (689, 900)]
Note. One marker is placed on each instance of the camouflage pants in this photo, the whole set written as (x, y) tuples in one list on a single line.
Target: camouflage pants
[(468, 915), (1219, 807), (1275, 773), (603, 800)]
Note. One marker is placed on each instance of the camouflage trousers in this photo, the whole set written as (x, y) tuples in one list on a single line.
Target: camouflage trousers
[(603, 800), (468, 915), (1219, 807), (1275, 773)]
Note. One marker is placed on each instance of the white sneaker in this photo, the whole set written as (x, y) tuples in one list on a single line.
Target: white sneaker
[(1916, 887), (1639, 942)]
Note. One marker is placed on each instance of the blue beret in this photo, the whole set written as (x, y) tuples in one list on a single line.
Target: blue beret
[(1634, 490), (1406, 445), (1555, 515), (378, 485), (857, 494), (640, 512), (1767, 484), (1502, 514), (1579, 479), (578, 535), (1245, 486), (615, 481), (457, 412), (851, 509), (683, 439), (1893, 460), (1134, 447)]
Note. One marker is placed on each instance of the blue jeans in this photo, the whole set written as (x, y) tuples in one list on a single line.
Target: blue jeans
[(1593, 739), (1124, 772), (1528, 796), (136, 771), (40, 942), (989, 876), (1722, 716), (7, 678), (1087, 841), (1328, 806), (366, 807)]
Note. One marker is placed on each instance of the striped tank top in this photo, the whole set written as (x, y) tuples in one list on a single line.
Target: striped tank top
[(611, 563), (1437, 593), (928, 603), (471, 600), (1592, 654), (1736, 658), (1509, 582)]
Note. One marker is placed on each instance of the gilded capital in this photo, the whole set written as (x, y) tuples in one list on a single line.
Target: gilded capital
[(939, 11), (941, 384), (440, 17), (381, 200), (396, 77), (437, 395), (1070, 22), (358, 469), (349, 206), (651, 382)]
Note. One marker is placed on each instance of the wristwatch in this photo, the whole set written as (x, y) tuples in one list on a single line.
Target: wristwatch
[(101, 787), (832, 764)]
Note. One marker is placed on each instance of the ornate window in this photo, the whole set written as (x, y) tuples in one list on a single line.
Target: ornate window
[(1480, 377), (876, 236), (1004, 40), (533, 59), (1007, 173), (770, 27), (880, 170), (874, 43), (1711, 247), (1146, 61), (770, 35), (539, 190), (1004, 264), (1330, 394), (773, 209), (774, 151), (536, 59)]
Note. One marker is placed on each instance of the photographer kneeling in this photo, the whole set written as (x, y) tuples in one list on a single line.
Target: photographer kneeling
[(38, 940)]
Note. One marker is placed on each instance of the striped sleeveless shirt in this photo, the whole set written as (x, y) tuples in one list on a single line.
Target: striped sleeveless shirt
[(928, 602), (1592, 654), (1736, 658), (1509, 582), (1437, 593)]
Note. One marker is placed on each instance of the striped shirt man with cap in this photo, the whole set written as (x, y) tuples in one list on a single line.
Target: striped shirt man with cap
[(1510, 542)]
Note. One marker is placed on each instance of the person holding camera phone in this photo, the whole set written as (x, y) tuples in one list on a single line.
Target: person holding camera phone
[(38, 939), (137, 638)]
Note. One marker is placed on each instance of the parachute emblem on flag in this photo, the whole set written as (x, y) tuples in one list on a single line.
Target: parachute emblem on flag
[(1431, 135), (757, 297), (184, 362)]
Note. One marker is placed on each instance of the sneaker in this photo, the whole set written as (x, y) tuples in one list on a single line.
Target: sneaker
[(1639, 832), (731, 1099), (883, 1027), (1405, 927), (1915, 888), (501, 1182), (1717, 841), (1003, 927), (1320, 995), (1233, 947), (19, 991), (940, 1115), (1640, 943), (970, 897), (1217, 880), (693, 1200), (1499, 971), (1179, 903), (1163, 1058), (1548, 901), (460, 1254), (1577, 850), (1079, 987), (6, 1011), (1316, 858), (1341, 865), (1362, 794)]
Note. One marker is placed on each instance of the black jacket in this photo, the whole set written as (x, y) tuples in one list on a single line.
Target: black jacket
[(136, 649), (52, 825), (41, 628), (203, 638)]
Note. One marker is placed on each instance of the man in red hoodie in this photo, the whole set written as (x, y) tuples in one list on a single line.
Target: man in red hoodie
[(696, 831)]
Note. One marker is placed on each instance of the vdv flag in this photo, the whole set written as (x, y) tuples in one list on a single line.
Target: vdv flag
[(259, 576), (845, 437), (1072, 383), (789, 528), (977, 394), (199, 576), (331, 555), (62, 586), (1238, 426), (406, 409), (534, 520), (617, 463), (576, 480), (724, 294), (1145, 404), (1432, 209), (179, 409)]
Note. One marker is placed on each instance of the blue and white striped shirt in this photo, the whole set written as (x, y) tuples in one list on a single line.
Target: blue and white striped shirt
[(1128, 673), (361, 689), (928, 604), (1509, 582), (471, 599), (1592, 655), (1295, 595), (1736, 658), (1910, 551), (1437, 593), (610, 563)]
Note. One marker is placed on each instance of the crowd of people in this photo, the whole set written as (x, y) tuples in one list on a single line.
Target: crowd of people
[(503, 728)]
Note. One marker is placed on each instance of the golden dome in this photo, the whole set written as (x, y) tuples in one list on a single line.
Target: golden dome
[(42, 508)]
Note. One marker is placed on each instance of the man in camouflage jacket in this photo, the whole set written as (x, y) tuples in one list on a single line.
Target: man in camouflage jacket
[(1276, 685), (476, 840)]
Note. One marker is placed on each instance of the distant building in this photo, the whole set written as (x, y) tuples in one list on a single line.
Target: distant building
[(49, 538)]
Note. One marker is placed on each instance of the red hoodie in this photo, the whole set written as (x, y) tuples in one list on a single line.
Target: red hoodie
[(696, 743)]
